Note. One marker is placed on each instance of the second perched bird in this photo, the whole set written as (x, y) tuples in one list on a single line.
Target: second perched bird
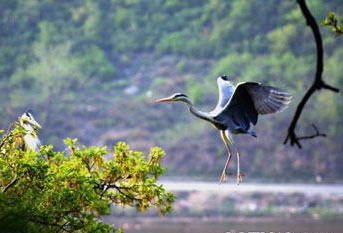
[(31, 126), (238, 107)]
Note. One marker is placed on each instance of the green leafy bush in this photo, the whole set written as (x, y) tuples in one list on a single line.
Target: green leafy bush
[(50, 191)]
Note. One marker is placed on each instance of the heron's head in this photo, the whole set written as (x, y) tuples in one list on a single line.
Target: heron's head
[(28, 122), (223, 80), (174, 97), (223, 77)]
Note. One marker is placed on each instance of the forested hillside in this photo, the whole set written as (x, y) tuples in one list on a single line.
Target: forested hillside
[(91, 69)]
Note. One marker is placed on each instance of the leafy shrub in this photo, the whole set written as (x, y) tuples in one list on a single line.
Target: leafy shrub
[(67, 191)]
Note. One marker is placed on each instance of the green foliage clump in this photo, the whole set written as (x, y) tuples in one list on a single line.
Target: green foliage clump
[(50, 191), (332, 21)]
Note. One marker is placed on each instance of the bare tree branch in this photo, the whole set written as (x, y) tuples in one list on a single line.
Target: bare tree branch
[(318, 82), (317, 134)]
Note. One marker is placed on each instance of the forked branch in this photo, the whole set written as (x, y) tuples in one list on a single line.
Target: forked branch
[(317, 134), (318, 82)]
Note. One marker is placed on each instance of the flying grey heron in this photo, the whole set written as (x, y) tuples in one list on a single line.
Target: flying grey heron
[(237, 108), (31, 127)]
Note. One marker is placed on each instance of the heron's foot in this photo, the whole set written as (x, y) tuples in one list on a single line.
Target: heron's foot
[(239, 178), (223, 177)]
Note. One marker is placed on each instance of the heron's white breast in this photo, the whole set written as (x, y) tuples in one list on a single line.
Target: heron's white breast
[(31, 142)]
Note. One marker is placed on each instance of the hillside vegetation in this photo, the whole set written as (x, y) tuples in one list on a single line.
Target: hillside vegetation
[(91, 69)]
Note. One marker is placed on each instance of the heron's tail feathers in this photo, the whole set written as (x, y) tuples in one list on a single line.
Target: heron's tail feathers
[(252, 133)]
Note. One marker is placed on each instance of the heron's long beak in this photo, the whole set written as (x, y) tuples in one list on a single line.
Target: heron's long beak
[(35, 124), (167, 99)]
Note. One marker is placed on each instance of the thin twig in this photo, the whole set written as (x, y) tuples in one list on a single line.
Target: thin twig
[(104, 187), (317, 134), (318, 82), (13, 182), (62, 228)]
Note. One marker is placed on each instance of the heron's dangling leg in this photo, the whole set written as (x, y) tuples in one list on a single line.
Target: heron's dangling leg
[(226, 141), (239, 175)]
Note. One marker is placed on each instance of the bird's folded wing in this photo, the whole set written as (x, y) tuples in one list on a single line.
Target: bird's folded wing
[(240, 109)]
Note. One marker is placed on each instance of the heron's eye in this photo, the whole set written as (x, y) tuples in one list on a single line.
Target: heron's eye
[(224, 77), (180, 95), (25, 121)]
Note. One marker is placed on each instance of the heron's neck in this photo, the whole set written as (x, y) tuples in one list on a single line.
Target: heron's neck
[(30, 131), (202, 115)]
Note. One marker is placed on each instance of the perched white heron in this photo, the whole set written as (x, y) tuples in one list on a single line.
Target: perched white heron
[(238, 107), (31, 127)]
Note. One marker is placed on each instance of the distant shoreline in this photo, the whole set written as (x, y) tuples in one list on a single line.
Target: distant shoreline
[(322, 189), (201, 200), (227, 224), (238, 219)]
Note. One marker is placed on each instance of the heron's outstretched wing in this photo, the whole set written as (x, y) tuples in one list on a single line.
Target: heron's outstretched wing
[(266, 99), (251, 99), (226, 90)]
